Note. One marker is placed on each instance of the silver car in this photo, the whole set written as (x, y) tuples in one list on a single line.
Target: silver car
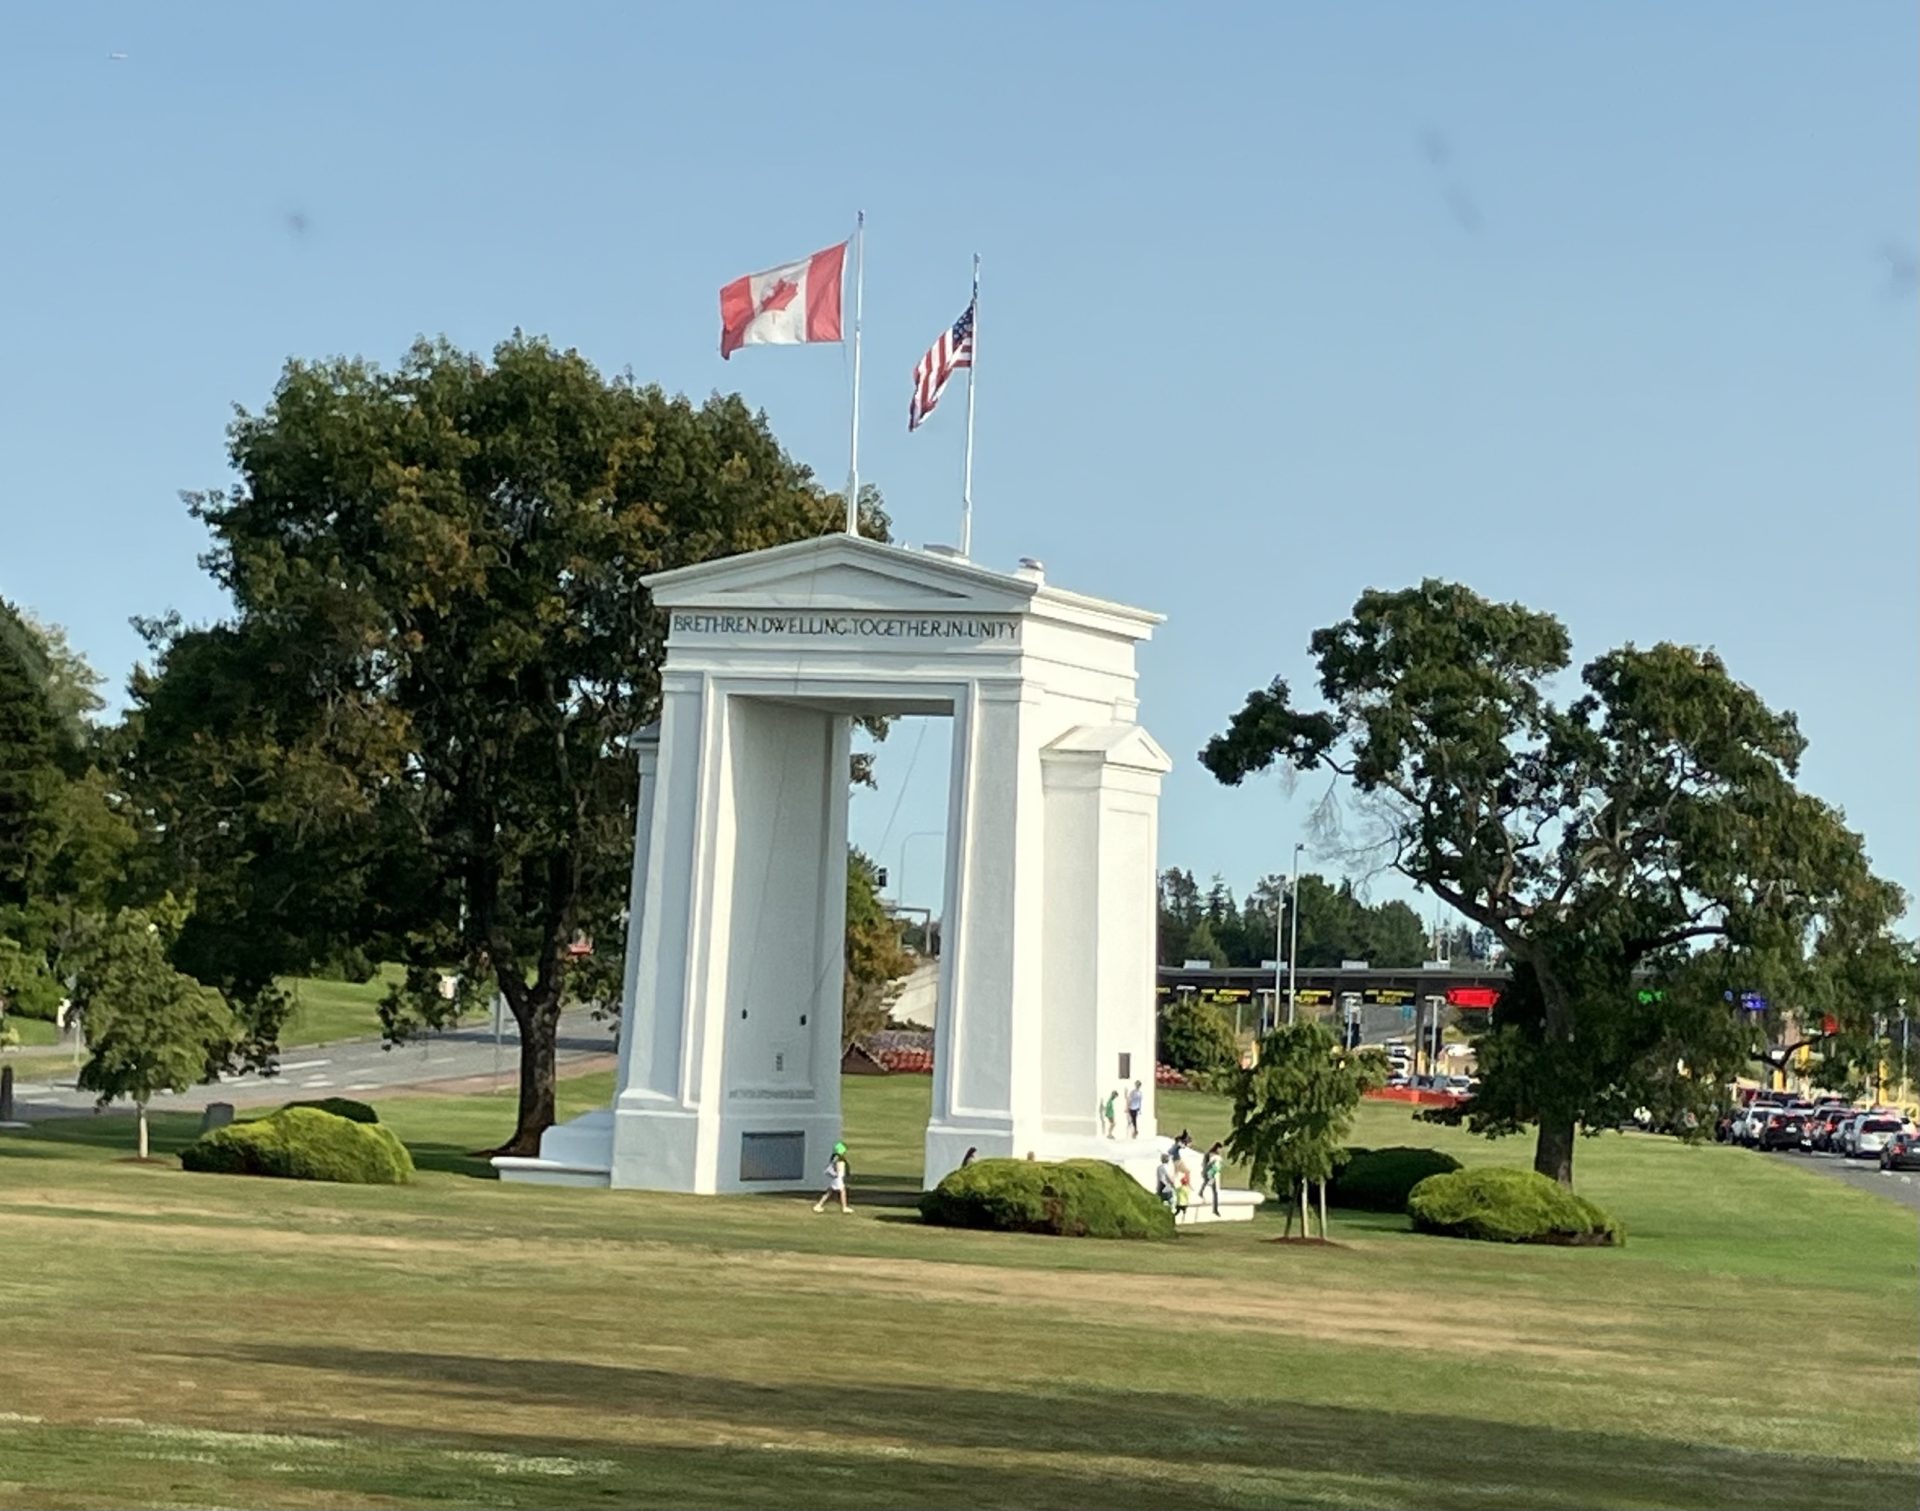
[(1870, 1135)]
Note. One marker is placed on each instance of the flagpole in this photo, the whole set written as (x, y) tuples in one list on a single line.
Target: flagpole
[(966, 476), (859, 286)]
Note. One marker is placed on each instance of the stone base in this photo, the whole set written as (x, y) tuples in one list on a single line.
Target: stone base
[(653, 1149)]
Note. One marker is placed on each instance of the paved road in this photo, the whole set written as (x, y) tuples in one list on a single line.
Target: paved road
[(1902, 1186), (351, 1068)]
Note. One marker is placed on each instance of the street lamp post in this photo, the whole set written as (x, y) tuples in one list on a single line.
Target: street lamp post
[(900, 892), (1293, 924)]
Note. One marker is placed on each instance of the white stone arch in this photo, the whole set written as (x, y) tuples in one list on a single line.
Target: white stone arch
[(729, 1059)]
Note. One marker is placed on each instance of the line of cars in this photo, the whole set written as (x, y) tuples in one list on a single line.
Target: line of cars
[(1778, 1122), (1400, 1067)]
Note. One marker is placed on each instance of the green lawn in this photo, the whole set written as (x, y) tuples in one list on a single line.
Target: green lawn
[(326, 1011), (33, 1033), (189, 1339)]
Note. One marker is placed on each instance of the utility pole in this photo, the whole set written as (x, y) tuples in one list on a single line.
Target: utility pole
[(1293, 945)]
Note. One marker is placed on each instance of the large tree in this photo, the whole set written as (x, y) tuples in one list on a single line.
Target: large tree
[(877, 959), (63, 838), (1648, 833), (412, 736)]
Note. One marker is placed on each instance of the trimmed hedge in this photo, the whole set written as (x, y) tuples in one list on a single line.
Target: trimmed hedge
[(1380, 1180), (1080, 1198), (341, 1107), (304, 1143), (1508, 1206)]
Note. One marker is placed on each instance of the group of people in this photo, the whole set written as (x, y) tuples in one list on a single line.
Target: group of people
[(1174, 1181), (1136, 1099)]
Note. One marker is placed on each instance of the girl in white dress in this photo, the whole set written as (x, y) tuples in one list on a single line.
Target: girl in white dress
[(836, 1180)]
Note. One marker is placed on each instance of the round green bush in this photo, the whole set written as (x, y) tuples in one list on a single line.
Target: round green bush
[(341, 1107), (1380, 1180), (1508, 1206), (1080, 1198), (304, 1143), (1195, 1036)]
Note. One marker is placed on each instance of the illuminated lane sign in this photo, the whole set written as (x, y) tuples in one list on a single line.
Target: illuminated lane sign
[(1473, 998)]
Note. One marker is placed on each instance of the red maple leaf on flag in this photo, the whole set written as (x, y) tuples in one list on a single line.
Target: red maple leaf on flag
[(778, 297)]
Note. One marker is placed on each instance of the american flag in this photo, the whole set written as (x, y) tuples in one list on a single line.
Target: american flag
[(952, 351)]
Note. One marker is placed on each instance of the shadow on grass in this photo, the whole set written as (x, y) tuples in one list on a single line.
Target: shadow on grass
[(1376, 1457), (452, 1159)]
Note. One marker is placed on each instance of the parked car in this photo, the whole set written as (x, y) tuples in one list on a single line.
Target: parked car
[(1902, 1151), (1781, 1130), (1870, 1136), (1824, 1123), (1460, 1086), (1747, 1129)]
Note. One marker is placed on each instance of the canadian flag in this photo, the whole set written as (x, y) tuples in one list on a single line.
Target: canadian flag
[(797, 302)]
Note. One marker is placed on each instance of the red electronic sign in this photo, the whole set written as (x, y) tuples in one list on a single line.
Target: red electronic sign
[(1478, 998)]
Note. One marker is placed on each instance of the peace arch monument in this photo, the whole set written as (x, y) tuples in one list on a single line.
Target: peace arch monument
[(729, 1071)]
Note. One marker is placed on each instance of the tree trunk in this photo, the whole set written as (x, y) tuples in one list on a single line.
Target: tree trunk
[(539, 1020), (1323, 1211), (1553, 1150), (1306, 1213), (140, 1109)]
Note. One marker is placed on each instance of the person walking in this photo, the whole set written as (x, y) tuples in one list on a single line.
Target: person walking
[(1182, 1195), (1136, 1099), (1109, 1111), (1164, 1182), (1210, 1176), (836, 1180)]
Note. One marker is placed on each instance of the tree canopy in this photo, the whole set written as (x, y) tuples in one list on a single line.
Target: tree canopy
[(1649, 833), (63, 837), (1336, 924), (149, 1028), (411, 737), (876, 957)]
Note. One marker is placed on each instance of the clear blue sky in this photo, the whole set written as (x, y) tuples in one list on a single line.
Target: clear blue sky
[(1595, 306)]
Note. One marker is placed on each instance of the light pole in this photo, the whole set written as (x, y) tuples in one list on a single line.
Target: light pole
[(900, 892), (1293, 924)]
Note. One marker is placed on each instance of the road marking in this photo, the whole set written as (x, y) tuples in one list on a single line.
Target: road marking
[(315, 1083), (364, 1086), (242, 1085), (302, 1065)]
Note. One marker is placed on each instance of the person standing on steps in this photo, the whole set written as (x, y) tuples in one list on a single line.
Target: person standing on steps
[(836, 1180), (1210, 1176), (1109, 1111), (1135, 1101)]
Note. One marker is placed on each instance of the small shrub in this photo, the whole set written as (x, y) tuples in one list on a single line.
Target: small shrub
[(1081, 1198), (341, 1107), (1380, 1180), (1508, 1206), (304, 1143)]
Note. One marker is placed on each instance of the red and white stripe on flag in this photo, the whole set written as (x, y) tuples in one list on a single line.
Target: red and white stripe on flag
[(953, 351), (799, 301)]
